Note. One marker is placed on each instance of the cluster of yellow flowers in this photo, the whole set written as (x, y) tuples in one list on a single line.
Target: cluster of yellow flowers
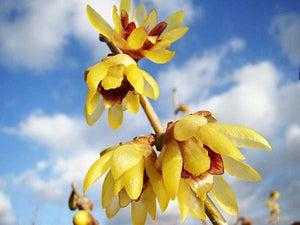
[(196, 151), (273, 207)]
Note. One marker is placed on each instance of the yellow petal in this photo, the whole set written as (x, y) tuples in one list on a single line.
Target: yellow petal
[(115, 116), (119, 41), (132, 102), (224, 196), (97, 170), (92, 100), (201, 186), (125, 5), (151, 88), (113, 208), (148, 199), (92, 118), (195, 157), (98, 22), (183, 198), (174, 35), (150, 22), (138, 213), (159, 55), (119, 59), (107, 190), (96, 74), (240, 170), (174, 20), (188, 126), (114, 77), (137, 38), (118, 185), (157, 184), (218, 142), (124, 158), (133, 180), (242, 136), (197, 209), (160, 158), (124, 199), (171, 168), (135, 77), (139, 14), (117, 21)]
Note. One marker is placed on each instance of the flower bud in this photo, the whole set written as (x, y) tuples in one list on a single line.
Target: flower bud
[(82, 217), (73, 201)]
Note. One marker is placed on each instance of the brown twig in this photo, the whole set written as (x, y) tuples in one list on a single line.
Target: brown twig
[(111, 46), (175, 103)]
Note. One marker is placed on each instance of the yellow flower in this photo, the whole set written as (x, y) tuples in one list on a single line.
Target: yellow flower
[(109, 82), (141, 36), (132, 178), (274, 195), (196, 152)]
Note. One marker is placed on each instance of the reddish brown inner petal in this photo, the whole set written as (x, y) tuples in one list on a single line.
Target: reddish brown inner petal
[(117, 94), (216, 162), (124, 18), (129, 28), (158, 29)]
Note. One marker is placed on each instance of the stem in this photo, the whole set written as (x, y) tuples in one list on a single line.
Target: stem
[(211, 210), (175, 103), (213, 213)]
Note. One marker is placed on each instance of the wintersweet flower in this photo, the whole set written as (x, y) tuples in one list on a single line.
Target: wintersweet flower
[(141, 35), (132, 179), (109, 82), (196, 152)]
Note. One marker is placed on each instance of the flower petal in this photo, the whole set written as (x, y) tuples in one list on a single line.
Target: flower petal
[(148, 199), (115, 116), (132, 102), (125, 5), (114, 77), (240, 169), (124, 158), (92, 100), (218, 142), (151, 88), (97, 170), (197, 209), (171, 168), (224, 196), (242, 136), (157, 184), (98, 22), (113, 208), (173, 35), (139, 14), (195, 157), (96, 74), (183, 198), (117, 21), (135, 77), (137, 39), (118, 185), (159, 55), (119, 41), (174, 20), (150, 22), (138, 213), (107, 190), (133, 180), (188, 126), (92, 118), (124, 199), (119, 59), (201, 186)]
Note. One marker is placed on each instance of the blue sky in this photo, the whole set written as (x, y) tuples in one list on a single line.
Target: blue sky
[(239, 60)]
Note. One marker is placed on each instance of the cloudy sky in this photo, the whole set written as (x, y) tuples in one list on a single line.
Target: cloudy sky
[(239, 60)]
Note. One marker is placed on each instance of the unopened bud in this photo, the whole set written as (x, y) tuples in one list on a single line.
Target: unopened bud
[(73, 201), (183, 108), (274, 195), (82, 217)]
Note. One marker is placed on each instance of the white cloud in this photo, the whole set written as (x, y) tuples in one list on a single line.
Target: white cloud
[(33, 33), (286, 29), (191, 11), (6, 213)]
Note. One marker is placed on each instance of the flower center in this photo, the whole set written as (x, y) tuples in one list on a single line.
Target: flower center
[(116, 94)]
